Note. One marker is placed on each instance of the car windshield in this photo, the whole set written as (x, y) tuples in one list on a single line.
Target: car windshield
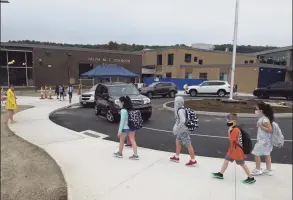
[(122, 90), (93, 88), (153, 84)]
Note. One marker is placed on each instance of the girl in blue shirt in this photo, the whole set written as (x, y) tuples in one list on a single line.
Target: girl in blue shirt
[(124, 130)]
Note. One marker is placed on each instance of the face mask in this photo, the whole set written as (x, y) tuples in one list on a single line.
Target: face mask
[(230, 124)]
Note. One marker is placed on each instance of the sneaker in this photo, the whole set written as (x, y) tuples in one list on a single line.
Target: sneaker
[(268, 172), (134, 157), (249, 180), (118, 155), (256, 172), (218, 175), (128, 145), (174, 159), (191, 163)]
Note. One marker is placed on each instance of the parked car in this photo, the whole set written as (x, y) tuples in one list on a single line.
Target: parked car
[(160, 88), (107, 100), (88, 98), (279, 89), (220, 88)]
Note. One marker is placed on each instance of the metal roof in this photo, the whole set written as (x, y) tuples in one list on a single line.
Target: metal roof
[(42, 46), (287, 48)]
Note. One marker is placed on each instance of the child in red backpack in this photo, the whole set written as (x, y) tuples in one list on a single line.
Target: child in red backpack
[(235, 152)]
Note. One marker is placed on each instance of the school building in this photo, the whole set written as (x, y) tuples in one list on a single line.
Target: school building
[(252, 70)]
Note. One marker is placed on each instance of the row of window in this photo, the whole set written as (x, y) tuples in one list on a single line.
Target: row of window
[(170, 60)]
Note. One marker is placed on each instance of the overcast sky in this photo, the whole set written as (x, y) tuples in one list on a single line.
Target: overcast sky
[(162, 22)]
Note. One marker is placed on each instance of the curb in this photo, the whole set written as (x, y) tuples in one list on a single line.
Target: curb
[(221, 114)]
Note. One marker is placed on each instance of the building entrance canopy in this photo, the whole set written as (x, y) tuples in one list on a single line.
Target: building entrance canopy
[(108, 71)]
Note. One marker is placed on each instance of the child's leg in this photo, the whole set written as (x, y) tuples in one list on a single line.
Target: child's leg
[(224, 166), (128, 141), (133, 142), (190, 151), (268, 160), (246, 169), (178, 147), (257, 162), (121, 144)]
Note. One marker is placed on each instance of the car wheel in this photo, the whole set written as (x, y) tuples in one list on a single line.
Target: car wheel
[(146, 117), (150, 95), (97, 111), (110, 116), (193, 93), (172, 94), (221, 93)]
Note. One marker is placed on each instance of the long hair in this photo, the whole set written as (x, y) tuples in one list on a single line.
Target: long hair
[(267, 110), (127, 103)]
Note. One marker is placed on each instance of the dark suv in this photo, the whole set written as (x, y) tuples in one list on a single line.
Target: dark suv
[(107, 100), (279, 89), (160, 88)]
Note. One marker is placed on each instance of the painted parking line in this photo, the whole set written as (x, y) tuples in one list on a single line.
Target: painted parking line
[(199, 135)]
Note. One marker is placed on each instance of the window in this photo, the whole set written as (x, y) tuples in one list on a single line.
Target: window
[(246, 62), (3, 76), (168, 75), (170, 59), (17, 76), (188, 75), (216, 83), (159, 59), (205, 84), (30, 77), (187, 58), (203, 75), (83, 68), (166, 84), (200, 62), (195, 59), (224, 76), (122, 90), (251, 61)]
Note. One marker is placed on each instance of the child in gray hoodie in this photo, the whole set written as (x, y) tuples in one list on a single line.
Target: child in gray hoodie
[(181, 131)]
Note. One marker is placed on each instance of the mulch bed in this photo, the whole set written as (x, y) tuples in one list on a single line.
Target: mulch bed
[(214, 105)]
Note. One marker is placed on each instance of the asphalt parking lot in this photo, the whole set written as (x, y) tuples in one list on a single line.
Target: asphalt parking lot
[(210, 139)]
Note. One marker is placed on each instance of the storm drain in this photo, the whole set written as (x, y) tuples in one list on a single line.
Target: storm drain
[(91, 134)]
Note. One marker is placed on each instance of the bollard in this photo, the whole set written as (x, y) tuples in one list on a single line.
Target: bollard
[(50, 93), (42, 93)]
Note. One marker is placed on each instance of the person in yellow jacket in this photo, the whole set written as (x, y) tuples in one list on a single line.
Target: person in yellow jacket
[(11, 103)]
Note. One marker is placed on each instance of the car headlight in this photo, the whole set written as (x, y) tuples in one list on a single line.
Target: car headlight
[(146, 100)]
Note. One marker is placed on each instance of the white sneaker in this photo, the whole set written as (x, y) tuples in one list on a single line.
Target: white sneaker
[(256, 172), (268, 172)]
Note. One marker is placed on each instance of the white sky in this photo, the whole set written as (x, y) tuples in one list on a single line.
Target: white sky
[(152, 22)]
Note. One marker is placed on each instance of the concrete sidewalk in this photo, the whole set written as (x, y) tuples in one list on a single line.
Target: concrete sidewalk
[(92, 173)]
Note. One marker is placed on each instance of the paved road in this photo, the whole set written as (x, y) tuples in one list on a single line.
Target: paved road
[(210, 139)]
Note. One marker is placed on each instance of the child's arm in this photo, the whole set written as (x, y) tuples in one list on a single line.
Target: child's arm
[(182, 119), (122, 120), (234, 135), (266, 126)]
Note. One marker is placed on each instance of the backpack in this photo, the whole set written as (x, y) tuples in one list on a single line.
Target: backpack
[(191, 119), (135, 119), (245, 140), (277, 136)]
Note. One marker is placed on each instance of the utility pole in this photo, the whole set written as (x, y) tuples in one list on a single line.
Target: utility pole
[(234, 50)]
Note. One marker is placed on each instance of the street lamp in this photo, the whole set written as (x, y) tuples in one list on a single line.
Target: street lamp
[(234, 50)]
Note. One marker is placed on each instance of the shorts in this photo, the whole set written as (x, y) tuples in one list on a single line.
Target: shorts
[(238, 162), (184, 138), (127, 131)]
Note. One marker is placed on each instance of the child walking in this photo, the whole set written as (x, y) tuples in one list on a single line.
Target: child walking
[(235, 152), (124, 130), (263, 146), (182, 133)]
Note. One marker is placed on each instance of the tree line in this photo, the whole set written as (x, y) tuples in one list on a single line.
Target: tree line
[(137, 47)]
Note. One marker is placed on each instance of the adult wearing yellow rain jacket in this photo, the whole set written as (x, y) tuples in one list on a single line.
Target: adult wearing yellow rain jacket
[(11, 103)]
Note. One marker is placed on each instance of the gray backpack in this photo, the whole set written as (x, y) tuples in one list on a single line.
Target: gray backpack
[(277, 137)]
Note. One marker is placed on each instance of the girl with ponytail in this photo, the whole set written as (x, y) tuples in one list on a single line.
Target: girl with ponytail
[(124, 130), (263, 146)]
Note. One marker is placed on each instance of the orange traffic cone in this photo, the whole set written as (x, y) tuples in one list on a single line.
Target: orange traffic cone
[(46, 92), (42, 93)]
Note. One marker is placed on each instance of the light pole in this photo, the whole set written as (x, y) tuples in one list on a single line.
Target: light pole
[(234, 50)]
